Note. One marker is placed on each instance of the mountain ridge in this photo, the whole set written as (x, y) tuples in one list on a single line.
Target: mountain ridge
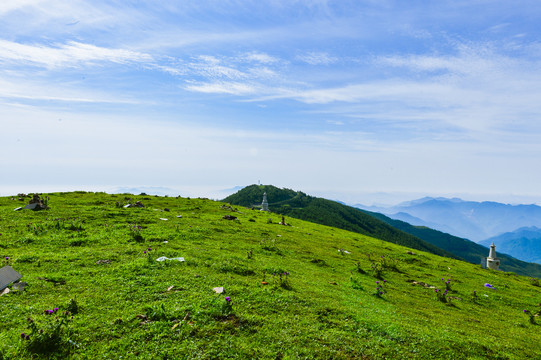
[(299, 205), (327, 212), (523, 243), (473, 220)]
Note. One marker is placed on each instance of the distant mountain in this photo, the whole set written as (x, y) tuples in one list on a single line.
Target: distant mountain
[(297, 204), (468, 250), (151, 190), (523, 243), (466, 219)]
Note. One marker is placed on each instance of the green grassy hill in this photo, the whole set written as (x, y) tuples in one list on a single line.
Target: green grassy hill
[(465, 249), (322, 211), (300, 291)]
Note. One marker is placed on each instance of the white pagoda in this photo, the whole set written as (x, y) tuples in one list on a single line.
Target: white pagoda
[(265, 204), (492, 261)]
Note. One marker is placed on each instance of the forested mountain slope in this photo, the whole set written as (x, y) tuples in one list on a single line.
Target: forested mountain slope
[(298, 205)]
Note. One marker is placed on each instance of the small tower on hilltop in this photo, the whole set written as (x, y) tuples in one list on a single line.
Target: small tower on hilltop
[(492, 261), (265, 204)]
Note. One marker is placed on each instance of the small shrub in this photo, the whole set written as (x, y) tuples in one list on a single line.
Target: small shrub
[(380, 288), (227, 306), (53, 336), (150, 260), (282, 280), (75, 225), (77, 243), (58, 224), (319, 262), (355, 283), (270, 245), (534, 282), (359, 269), (379, 265), (441, 295), (157, 312), (27, 259), (36, 229), (135, 232), (447, 284), (532, 315), (235, 266), (73, 306), (26, 240)]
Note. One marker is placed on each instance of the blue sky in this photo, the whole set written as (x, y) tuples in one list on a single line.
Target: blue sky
[(361, 101)]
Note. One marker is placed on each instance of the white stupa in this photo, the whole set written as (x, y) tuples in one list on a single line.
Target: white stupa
[(265, 204), (492, 261)]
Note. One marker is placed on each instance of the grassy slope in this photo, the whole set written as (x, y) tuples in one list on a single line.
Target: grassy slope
[(322, 211), (329, 309), (466, 249)]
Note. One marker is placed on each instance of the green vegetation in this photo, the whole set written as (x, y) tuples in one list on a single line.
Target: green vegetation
[(463, 248), (330, 213), (96, 290), (322, 211)]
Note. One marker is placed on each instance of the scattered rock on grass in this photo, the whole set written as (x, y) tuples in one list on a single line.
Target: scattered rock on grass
[(420, 283), (19, 286), (37, 203), (7, 276)]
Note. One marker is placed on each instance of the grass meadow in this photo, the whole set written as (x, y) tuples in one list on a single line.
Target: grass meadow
[(297, 291)]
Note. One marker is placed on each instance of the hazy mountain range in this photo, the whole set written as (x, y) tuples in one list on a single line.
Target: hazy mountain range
[(475, 221), (523, 243), (297, 204)]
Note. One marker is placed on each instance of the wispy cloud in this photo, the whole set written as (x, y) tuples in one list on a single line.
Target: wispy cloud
[(45, 93), (70, 54), (408, 84), (261, 58), (230, 87), (317, 58)]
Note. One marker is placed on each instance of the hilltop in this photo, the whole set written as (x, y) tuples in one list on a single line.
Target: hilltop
[(322, 211), (327, 212), (299, 291)]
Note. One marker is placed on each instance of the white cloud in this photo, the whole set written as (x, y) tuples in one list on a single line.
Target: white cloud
[(7, 6), (261, 58), (39, 92), (71, 54), (468, 106), (224, 87), (212, 68), (317, 58), (335, 122)]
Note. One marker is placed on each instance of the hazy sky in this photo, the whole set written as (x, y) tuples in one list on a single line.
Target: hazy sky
[(340, 99)]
